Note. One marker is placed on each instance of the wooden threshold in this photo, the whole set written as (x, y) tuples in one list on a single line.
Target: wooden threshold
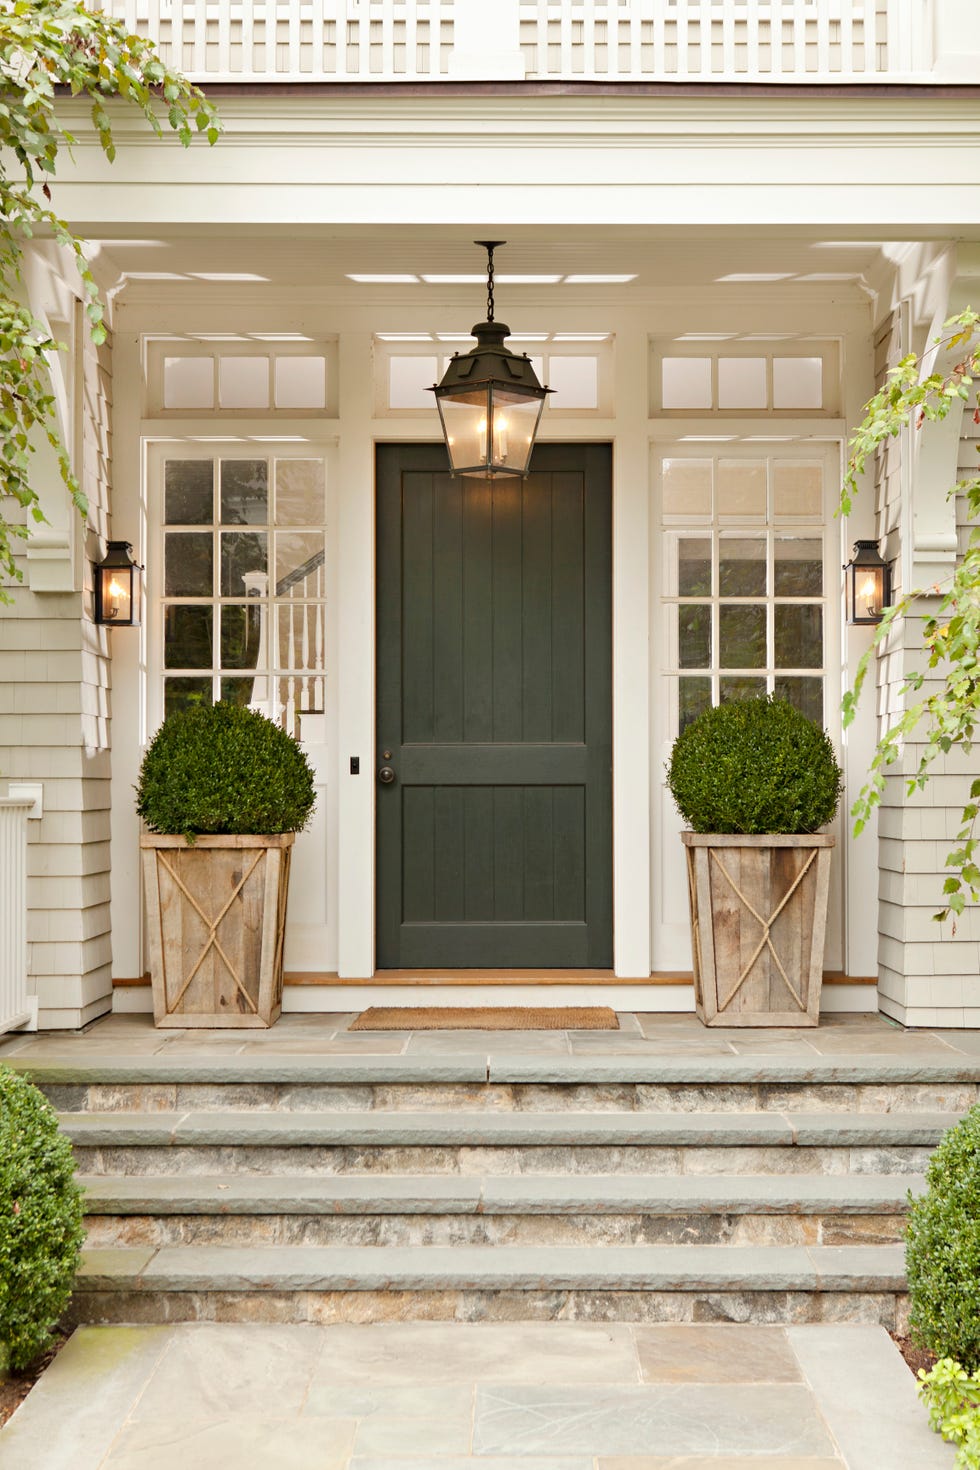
[(501, 977), (532, 977)]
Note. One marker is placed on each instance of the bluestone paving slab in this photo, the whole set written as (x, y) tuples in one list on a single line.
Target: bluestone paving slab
[(118, 1263), (859, 1268), (217, 1372), (398, 1128), (73, 1413), (493, 1462), (262, 1067), (870, 1128), (717, 1462), (867, 1067), (510, 1043), (868, 1398), (527, 1268), (237, 1443), (430, 1419), (238, 1194), (716, 1353), (675, 1419), (227, 1397), (691, 1193), (423, 1353)]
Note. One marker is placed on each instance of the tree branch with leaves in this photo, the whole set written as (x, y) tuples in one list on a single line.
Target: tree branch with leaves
[(949, 712), (51, 50)]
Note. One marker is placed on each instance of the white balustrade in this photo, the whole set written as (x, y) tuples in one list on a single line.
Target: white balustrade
[(541, 40), (17, 1008)]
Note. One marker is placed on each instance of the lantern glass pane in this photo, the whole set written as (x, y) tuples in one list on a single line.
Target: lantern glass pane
[(869, 594), (464, 423), (117, 598), (515, 422)]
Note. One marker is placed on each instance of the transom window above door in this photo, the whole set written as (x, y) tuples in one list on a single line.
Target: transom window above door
[(745, 586), (238, 375), (241, 568)]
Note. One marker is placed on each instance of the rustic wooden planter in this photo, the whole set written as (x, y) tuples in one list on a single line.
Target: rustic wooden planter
[(758, 921), (216, 920)]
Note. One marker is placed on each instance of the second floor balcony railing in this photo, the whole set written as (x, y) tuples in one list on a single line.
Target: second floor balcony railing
[(754, 41)]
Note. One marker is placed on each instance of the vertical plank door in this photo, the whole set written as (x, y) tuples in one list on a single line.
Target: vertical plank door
[(495, 705)]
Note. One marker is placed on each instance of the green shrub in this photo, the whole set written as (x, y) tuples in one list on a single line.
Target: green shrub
[(754, 766), (224, 769), (942, 1248), (953, 1399), (40, 1221)]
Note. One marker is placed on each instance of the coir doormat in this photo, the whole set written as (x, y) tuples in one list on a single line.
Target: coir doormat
[(487, 1018)]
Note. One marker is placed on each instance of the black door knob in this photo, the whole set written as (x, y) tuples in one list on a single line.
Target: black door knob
[(386, 775)]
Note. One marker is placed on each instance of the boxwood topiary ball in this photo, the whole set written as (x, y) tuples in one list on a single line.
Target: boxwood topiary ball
[(754, 766), (224, 768), (942, 1248), (40, 1221)]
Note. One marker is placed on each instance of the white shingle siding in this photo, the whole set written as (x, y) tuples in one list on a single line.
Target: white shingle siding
[(54, 728)]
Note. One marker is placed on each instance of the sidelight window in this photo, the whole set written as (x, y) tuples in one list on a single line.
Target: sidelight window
[(243, 583), (744, 579)]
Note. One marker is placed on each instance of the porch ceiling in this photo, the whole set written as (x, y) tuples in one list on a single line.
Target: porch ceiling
[(323, 260)]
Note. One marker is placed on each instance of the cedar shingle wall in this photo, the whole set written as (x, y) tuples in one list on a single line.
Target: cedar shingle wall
[(54, 728)]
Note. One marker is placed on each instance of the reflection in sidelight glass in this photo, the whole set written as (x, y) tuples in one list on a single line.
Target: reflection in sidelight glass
[(241, 552), (300, 492), (799, 636), (742, 566), (187, 637), (188, 564), (693, 698), (694, 636), (742, 636), (687, 487), (244, 492), (798, 566), (188, 492), (181, 694), (242, 626), (806, 693)]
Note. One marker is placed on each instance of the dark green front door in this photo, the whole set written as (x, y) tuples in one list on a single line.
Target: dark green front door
[(495, 706)]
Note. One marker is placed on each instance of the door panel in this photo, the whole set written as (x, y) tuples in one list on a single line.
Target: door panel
[(494, 699)]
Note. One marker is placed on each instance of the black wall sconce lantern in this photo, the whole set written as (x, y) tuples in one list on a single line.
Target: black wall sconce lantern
[(867, 582), (490, 400), (118, 585)]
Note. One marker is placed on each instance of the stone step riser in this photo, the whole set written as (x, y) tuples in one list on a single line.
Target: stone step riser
[(952, 1097), (888, 1309), (313, 1159), (106, 1231)]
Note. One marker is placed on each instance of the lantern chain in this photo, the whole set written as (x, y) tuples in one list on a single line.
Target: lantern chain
[(490, 246)]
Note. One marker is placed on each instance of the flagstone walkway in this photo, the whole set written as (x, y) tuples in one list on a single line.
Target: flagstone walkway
[(480, 1396)]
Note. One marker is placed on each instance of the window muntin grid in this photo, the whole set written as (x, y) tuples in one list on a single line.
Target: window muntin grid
[(744, 580), (243, 579)]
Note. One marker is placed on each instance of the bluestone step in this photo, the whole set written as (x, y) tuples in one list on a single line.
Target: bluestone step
[(495, 1068), (609, 1268), (435, 1194), (504, 1129)]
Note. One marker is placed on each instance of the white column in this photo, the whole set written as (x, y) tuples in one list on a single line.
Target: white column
[(957, 41), (631, 660), (486, 41), (355, 655), (17, 1008)]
